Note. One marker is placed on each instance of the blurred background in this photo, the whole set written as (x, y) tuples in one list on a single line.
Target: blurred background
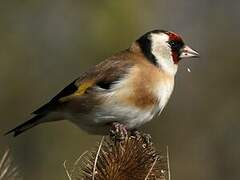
[(45, 44)]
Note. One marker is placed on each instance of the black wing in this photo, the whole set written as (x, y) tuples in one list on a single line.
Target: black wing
[(68, 90)]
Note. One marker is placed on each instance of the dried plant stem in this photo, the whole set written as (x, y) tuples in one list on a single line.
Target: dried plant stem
[(168, 165), (150, 170), (7, 170), (3, 160), (70, 173), (96, 158), (66, 170), (76, 162)]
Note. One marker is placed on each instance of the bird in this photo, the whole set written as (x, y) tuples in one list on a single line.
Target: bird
[(128, 88)]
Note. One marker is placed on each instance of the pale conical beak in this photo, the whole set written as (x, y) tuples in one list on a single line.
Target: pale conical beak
[(188, 52)]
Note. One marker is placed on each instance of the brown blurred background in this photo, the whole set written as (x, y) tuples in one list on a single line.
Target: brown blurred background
[(45, 44)]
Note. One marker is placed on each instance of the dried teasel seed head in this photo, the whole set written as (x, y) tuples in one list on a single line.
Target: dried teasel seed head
[(131, 158)]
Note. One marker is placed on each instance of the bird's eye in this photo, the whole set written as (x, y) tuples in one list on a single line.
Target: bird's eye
[(175, 45), (172, 43)]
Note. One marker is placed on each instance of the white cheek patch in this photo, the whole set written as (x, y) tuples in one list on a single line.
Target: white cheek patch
[(160, 46), (162, 51)]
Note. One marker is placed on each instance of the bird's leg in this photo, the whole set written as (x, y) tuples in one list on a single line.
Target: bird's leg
[(146, 137), (118, 131)]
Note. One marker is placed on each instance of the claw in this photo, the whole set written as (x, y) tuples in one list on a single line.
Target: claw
[(118, 131), (146, 137)]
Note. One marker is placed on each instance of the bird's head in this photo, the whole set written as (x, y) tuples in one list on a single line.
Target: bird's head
[(165, 49)]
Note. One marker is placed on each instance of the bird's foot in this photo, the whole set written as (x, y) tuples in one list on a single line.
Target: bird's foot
[(146, 137), (118, 131)]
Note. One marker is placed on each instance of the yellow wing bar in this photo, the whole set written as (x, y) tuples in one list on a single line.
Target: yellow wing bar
[(80, 91)]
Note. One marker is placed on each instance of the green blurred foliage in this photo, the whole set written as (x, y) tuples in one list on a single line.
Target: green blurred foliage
[(46, 44)]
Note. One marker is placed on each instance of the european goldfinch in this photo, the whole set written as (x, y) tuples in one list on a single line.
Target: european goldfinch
[(129, 87)]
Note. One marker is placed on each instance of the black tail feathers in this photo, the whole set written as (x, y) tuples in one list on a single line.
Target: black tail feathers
[(25, 126)]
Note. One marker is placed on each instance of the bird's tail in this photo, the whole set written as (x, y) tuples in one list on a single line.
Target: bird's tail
[(26, 125)]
